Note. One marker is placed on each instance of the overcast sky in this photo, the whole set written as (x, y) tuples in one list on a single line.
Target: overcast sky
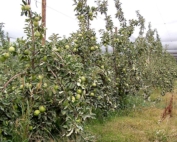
[(61, 19)]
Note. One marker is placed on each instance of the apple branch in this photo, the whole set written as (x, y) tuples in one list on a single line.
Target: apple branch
[(12, 78)]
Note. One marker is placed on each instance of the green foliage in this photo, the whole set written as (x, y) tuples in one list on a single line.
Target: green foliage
[(50, 91)]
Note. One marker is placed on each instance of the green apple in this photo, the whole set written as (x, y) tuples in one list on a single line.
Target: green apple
[(82, 16), (40, 77), (6, 55), (36, 18), (42, 109), (92, 38), (92, 48), (80, 35), (102, 67), (79, 17), (37, 34), (21, 86), (13, 87), (2, 58), (73, 99), (79, 91), (27, 7), (54, 49), (45, 85), (75, 40), (126, 85), (36, 23), (99, 97), (78, 96), (26, 52), (11, 49), (30, 128), (36, 112), (76, 45), (69, 55), (94, 84), (96, 47), (27, 65), (78, 120), (90, 14), (83, 79), (74, 50), (67, 46), (45, 58), (56, 87), (92, 94), (23, 7), (28, 85), (91, 18)]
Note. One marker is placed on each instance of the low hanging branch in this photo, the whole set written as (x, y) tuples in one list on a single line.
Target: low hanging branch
[(59, 56), (12, 78), (53, 73)]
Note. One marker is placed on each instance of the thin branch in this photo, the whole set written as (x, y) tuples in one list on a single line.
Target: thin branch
[(56, 78), (53, 73), (59, 56), (5, 85)]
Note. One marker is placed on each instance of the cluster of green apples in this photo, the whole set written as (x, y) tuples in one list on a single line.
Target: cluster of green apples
[(6, 55), (41, 109), (26, 7)]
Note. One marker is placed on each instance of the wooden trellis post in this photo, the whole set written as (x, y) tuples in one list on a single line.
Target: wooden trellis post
[(44, 19)]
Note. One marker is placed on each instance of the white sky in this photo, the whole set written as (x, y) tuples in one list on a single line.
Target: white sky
[(61, 19)]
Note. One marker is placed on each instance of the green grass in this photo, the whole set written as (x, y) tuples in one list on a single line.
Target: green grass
[(139, 124)]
